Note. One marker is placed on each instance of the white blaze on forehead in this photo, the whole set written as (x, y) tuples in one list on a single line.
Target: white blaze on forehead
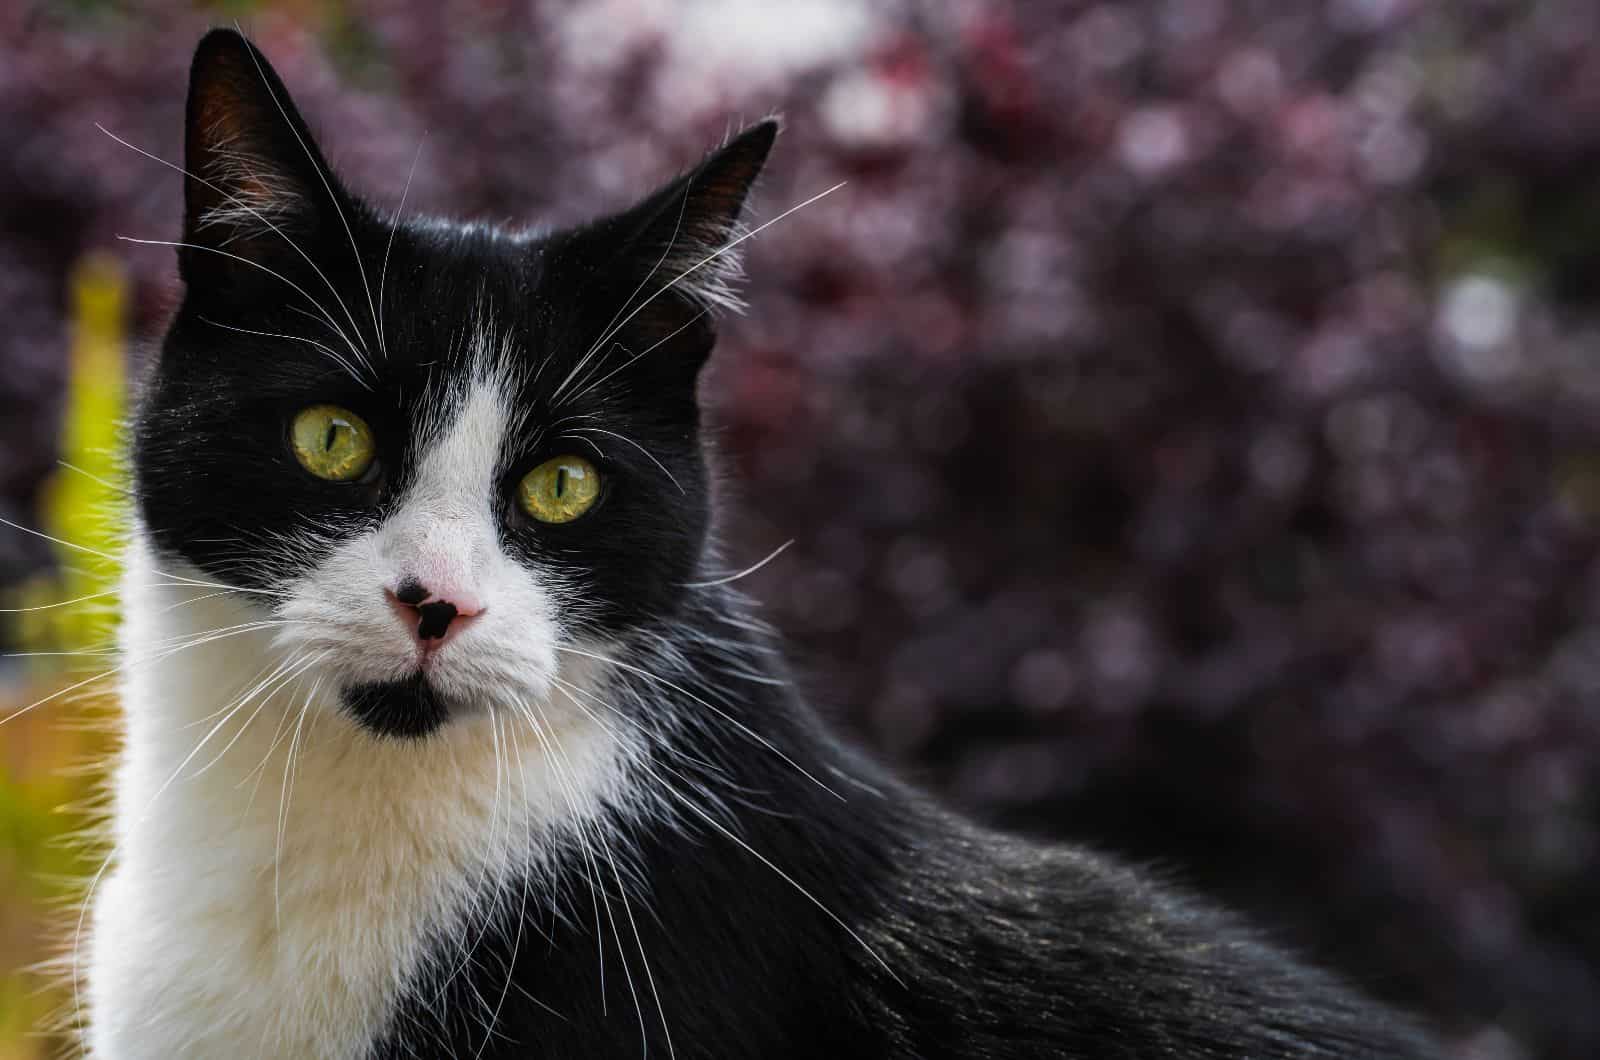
[(443, 533), (457, 466)]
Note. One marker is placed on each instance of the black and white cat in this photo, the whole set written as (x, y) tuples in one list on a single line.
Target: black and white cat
[(443, 738)]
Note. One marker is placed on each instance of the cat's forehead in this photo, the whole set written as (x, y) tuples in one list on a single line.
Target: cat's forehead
[(452, 281), (436, 304)]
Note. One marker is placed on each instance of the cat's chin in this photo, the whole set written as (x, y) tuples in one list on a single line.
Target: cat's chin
[(409, 708)]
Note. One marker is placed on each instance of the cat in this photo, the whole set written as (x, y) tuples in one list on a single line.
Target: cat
[(444, 736)]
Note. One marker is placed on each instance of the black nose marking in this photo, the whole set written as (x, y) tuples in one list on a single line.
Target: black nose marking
[(411, 592), (436, 619)]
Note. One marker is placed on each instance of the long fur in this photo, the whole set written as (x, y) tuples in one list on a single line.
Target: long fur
[(597, 821)]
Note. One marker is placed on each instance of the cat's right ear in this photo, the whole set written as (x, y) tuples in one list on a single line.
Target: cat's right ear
[(257, 185)]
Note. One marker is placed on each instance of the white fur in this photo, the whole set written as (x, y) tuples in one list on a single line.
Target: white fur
[(208, 940), (258, 193)]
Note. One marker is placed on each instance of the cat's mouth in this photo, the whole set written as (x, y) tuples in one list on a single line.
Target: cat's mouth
[(407, 708)]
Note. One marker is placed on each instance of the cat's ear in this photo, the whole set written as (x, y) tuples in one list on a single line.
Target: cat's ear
[(653, 276), (256, 182), (685, 230)]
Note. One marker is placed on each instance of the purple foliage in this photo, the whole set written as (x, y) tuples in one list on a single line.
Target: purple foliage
[(1188, 416)]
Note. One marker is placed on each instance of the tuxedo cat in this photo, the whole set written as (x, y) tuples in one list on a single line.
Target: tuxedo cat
[(444, 737)]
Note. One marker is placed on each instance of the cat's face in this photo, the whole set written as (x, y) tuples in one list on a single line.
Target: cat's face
[(447, 453)]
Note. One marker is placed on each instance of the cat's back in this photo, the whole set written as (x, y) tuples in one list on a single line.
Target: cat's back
[(1011, 948)]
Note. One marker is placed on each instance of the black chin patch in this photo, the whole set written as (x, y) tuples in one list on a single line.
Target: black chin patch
[(406, 710)]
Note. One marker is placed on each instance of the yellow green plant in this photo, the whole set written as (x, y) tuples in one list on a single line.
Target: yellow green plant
[(83, 497), (42, 792)]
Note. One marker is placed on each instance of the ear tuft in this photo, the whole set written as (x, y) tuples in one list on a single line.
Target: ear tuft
[(252, 163), (697, 219)]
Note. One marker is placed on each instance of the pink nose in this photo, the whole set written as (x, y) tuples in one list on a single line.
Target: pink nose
[(437, 616)]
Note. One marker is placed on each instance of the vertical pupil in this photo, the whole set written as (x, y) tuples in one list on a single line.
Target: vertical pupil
[(332, 436), (561, 482)]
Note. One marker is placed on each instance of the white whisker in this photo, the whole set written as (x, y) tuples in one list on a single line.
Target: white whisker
[(608, 330), (321, 176), (177, 578), (284, 798), (383, 274), (243, 205), (92, 477), (774, 554), (622, 437), (253, 264), (713, 256), (741, 726), (554, 743), (591, 387), (52, 606), (331, 353)]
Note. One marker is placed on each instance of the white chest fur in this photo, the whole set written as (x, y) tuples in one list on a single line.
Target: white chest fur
[(262, 907)]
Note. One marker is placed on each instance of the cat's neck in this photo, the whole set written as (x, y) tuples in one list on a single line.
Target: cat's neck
[(305, 849), (292, 868)]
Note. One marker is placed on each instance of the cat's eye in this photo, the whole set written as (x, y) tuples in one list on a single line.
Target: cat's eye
[(332, 443), (559, 490)]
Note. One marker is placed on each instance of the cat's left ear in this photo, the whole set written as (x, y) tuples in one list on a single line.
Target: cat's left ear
[(661, 270), (256, 184)]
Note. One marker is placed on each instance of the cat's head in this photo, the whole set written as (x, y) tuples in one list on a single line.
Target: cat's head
[(443, 451)]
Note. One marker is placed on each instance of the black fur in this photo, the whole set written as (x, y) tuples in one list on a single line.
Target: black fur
[(791, 900), (995, 947)]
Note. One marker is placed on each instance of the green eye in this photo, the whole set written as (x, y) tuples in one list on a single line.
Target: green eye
[(559, 490), (332, 442)]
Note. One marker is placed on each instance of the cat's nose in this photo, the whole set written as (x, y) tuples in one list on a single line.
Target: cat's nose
[(438, 615)]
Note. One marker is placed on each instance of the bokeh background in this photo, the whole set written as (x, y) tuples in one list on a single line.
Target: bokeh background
[(1187, 418)]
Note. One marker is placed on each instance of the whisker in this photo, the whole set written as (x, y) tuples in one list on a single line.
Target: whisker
[(96, 478), (713, 256), (253, 264), (579, 396), (491, 899), (741, 726), (194, 641), (774, 554), (198, 600), (332, 355), (522, 911), (590, 871), (284, 798), (642, 449), (383, 275), (262, 669), (609, 330), (554, 743), (483, 875), (710, 768), (673, 791), (791, 881), (266, 689), (321, 176), (650, 979), (94, 883), (259, 771), (586, 441), (53, 606), (242, 204), (178, 578), (14, 715)]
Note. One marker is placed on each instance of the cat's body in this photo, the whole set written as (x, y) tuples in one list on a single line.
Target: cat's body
[(597, 822)]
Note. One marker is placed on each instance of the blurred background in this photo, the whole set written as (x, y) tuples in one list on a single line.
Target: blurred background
[(1187, 418)]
